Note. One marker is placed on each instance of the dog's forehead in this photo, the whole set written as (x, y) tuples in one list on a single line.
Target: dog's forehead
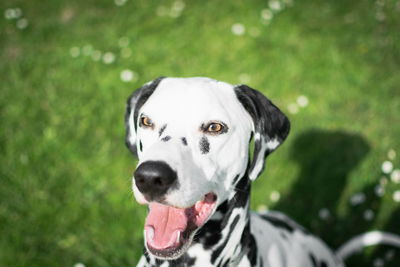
[(192, 100)]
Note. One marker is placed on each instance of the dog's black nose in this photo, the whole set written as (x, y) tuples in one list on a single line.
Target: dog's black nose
[(154, 178)]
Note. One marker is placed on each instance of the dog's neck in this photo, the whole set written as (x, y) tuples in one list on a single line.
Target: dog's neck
[(225, 240)]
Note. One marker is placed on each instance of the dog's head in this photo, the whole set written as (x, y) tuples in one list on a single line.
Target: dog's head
[(192, 137)]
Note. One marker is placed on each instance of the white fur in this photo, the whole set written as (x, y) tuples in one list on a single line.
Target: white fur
[(186, 105)]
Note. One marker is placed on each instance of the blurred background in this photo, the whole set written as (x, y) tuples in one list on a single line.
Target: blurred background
[(67, 68)]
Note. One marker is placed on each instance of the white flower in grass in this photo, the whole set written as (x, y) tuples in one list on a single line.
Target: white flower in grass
[(17, 12), (396, 196), (12, 13), (176, 9), (288, 2), (387, 166), (120, 2), (380, 3), (390, 255), (395, 176), (391, 154), (123, 42), (9, 13), (108, 58), (380, 16), (174, 13), (126, 52), (244, 78), (178, 5), (369, 215), (162, 11), (96, 55), (74, 51), (275, 196), (357, 199), (79, 264), (238, 29), (293, 108), (378, 262), (87, 50), (22, 23), (254, 32), (267, 14), (302, 101), (379, 190), (262, 208), (324, 213), (275, 5), (128, 76)]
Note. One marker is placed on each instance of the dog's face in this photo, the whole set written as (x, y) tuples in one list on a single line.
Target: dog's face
[(192, 137)]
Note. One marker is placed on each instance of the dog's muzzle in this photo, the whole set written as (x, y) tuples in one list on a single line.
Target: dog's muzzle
[(154, 178)]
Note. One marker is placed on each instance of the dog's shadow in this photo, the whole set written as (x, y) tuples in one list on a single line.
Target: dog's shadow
[(326, 159)]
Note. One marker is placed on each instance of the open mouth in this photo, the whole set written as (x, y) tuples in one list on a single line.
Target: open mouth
[(169, 231)]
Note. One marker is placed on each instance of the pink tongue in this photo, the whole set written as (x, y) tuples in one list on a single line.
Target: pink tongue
[(166, 222)]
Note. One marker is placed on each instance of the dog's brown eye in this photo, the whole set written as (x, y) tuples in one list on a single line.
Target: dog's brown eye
[(146, 122), (214, 128)]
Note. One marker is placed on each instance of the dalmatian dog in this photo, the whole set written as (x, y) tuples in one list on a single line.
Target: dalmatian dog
[(192, 136)]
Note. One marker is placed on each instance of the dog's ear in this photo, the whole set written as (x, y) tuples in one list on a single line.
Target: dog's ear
[(133, 105), (271, 126)]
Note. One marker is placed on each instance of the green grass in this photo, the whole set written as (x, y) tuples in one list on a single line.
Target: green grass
[(65, 192)]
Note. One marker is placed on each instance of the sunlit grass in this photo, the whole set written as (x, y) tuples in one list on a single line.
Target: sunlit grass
[(65, 192)]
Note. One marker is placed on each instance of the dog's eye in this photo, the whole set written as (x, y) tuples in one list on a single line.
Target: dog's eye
[(214, 128), (146, 122)]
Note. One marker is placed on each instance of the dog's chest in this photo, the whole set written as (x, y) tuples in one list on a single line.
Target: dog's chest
[(282, 242)]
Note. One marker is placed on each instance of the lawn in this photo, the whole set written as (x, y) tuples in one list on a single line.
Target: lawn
[(67, 68)]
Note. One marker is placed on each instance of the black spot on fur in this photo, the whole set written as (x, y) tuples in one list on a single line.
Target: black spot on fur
[(191, 261), (313, 260), (223, 207), (225, 264), (218, 251), (278, 223), (283, 235), (204, 145), (323, 264), (184, 260), (162, 129), (209, 234), (268, 120), (166, 138), (146, 255), (159, 262), (235, 180), (239, 200), (134, 103), (184, 141), (143, 94), (140, 146), (242, 189), (248, 243)]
